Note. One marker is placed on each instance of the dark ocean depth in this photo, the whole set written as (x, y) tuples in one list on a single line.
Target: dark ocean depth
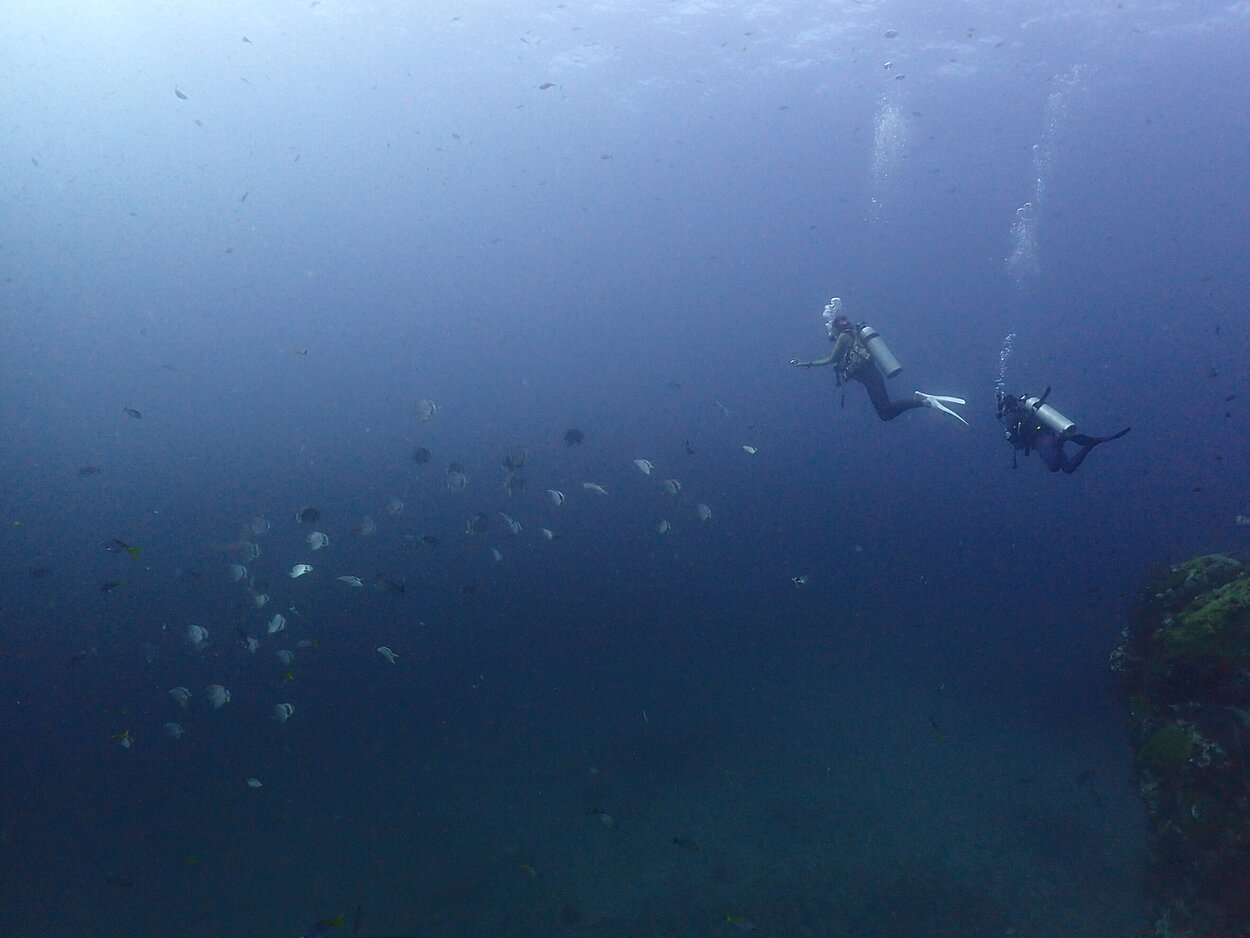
[(800, 672)]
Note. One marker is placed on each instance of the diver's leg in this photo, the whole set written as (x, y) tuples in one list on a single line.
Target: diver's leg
[(1087, 443), (1070, 465), (886, 409), (1050, 449), (1082, 439)]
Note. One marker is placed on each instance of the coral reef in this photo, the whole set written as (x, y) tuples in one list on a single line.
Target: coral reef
[(1184, 664)]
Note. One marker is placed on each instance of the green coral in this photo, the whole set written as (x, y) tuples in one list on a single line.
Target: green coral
[(1180, 583), (1138, 707), (1202, 644), (1168, 750), (1212, 626)]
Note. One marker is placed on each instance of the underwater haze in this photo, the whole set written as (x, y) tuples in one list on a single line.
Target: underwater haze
[(271, 270)]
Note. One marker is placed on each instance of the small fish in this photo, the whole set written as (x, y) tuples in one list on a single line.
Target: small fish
[(197, 638), (124, 739), (112, 586), (594, 487), (282, 712), (663, 527), (254, 782), (556, 496), (299, 570), (174, 730), (670, 487), (645, 466), (182, 695), (358, 920), (322, 928), (605, 819), (801, 580), (308, 516), (38, 573), (547, 534), (705, 513), (300, 352), (455, 478), (937, 730), (687, 844), (276, 624), (421, 455), (545, 85), (723, 409), (115, 546), (178, 94), (317, 540), (350, 580), (218, 696), (391, 587), (89, 471), (426, 409), (749, 449), (131, 412), (573, 436), (740, 922), (387, 653), (243, 198)]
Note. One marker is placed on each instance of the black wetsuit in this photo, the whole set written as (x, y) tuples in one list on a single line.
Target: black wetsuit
[(853, 362), (1026, 432), (870, 377)]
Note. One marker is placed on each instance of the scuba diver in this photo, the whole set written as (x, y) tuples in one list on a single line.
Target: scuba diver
[(860, 354), (1032, 424)]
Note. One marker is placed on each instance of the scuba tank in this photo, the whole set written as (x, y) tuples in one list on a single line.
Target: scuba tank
[(879, 351), (1047, 416)]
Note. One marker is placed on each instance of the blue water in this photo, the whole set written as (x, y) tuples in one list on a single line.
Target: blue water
[(272, 248)]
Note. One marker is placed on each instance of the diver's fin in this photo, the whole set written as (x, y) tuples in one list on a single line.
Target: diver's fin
[(939, 402)]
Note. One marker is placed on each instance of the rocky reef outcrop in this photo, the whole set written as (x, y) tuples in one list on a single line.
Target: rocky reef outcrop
[(1184, 663)]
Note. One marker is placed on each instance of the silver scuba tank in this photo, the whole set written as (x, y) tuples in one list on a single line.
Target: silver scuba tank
[(1049, 417), (879, 351)]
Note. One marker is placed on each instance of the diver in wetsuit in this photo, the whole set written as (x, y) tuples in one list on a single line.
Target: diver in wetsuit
[(859, 354), (1032, 424)]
